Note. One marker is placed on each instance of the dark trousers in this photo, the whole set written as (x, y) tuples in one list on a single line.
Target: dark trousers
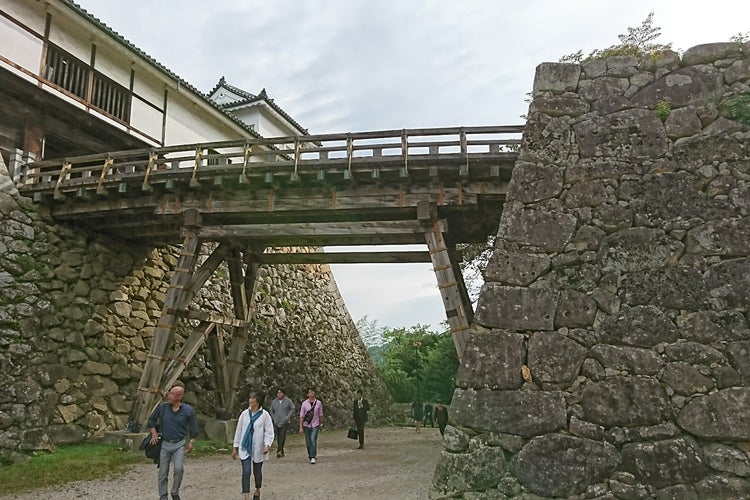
[(428, 418), (281, 436), (257, 472), (360, 431), (442, 428)]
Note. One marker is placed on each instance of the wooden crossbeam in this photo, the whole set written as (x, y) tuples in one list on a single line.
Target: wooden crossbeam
[(344, 258), (323, 234), (185, 354)]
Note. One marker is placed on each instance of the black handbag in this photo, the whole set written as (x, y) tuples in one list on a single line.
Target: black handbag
[(352, 433)]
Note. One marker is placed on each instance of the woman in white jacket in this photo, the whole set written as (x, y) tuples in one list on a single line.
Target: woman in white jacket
[(252, 440)]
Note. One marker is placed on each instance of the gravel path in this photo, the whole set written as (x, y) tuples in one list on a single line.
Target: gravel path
[(397, 462)]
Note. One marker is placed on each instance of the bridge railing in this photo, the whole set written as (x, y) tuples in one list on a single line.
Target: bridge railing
[(269, 160)]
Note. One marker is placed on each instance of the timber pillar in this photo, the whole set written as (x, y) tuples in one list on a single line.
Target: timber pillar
[(458, 309)]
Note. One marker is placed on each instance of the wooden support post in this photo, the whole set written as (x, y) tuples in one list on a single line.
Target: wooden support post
[(457, 305), (243, 297), (150, 389), (215, 343)]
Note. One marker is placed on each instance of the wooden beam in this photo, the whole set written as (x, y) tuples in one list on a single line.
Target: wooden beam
[(150, 389), (182, 358), (213, 318), (243, 296), (456, 310), (203, 274), (215, 343), (260, 231), (344, 258)]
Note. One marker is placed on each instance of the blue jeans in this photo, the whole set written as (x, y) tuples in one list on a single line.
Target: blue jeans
[(257, 472), (311, 441), (173, 453)]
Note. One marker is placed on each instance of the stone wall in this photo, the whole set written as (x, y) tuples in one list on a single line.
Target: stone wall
[(611, 356), (78, 312)]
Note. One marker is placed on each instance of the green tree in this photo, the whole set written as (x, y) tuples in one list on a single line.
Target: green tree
[(418, 362), (638, 41), (370, 332)]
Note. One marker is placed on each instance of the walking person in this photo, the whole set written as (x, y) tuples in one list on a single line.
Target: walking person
[(441, 416), (310, 422), (282, 409), (428, 417), (252, 441), (359, 411), (174, 420), (417, 413)]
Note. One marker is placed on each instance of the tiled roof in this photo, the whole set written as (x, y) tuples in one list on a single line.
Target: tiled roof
[(153, 62), (250, 98)]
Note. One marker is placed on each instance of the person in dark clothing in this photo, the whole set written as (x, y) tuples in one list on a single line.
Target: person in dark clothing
[(359, 411), (174, 420), (428, 417), (282, 409), (441, 416), (417, 413)]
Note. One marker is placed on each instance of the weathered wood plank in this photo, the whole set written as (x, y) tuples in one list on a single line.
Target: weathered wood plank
[(239, 338), (215, 344), (312, 229), (150, 389), (456, 310), (344, 258)]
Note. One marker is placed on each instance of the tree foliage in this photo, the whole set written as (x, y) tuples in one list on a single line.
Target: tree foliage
[(416, 363), (474, 259), (638, 41)]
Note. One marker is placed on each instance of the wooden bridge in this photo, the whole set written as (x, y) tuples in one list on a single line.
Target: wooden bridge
[(441, 187)]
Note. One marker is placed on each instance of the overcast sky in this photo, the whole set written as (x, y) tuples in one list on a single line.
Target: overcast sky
[(356, 65)]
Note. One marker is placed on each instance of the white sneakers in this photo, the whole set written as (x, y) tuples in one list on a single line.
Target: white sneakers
[(312, 460)]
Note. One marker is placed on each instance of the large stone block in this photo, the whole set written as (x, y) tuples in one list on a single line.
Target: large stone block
[(631, 133), (515, 268), (685, 379), (719, 415), (728, 238), (634, 360), (554, 358), (691, 85), (673, 288), (639, 248), (626, 401), (558, 465), (574, 309), (643, 326), (664, 463), (729, 281), (523, 413), (676, 197), (550, 231), (557, 77), (531, 182), (713, 326), (516, 308), (546, 140), (492, 360), (479, 470)]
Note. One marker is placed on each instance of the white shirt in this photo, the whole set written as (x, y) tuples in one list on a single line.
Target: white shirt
[(262, 435)]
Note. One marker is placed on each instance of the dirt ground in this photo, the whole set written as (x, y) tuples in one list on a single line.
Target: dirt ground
[(397, 462)]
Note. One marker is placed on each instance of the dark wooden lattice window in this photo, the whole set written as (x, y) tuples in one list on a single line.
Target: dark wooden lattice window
[(72, 74)]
